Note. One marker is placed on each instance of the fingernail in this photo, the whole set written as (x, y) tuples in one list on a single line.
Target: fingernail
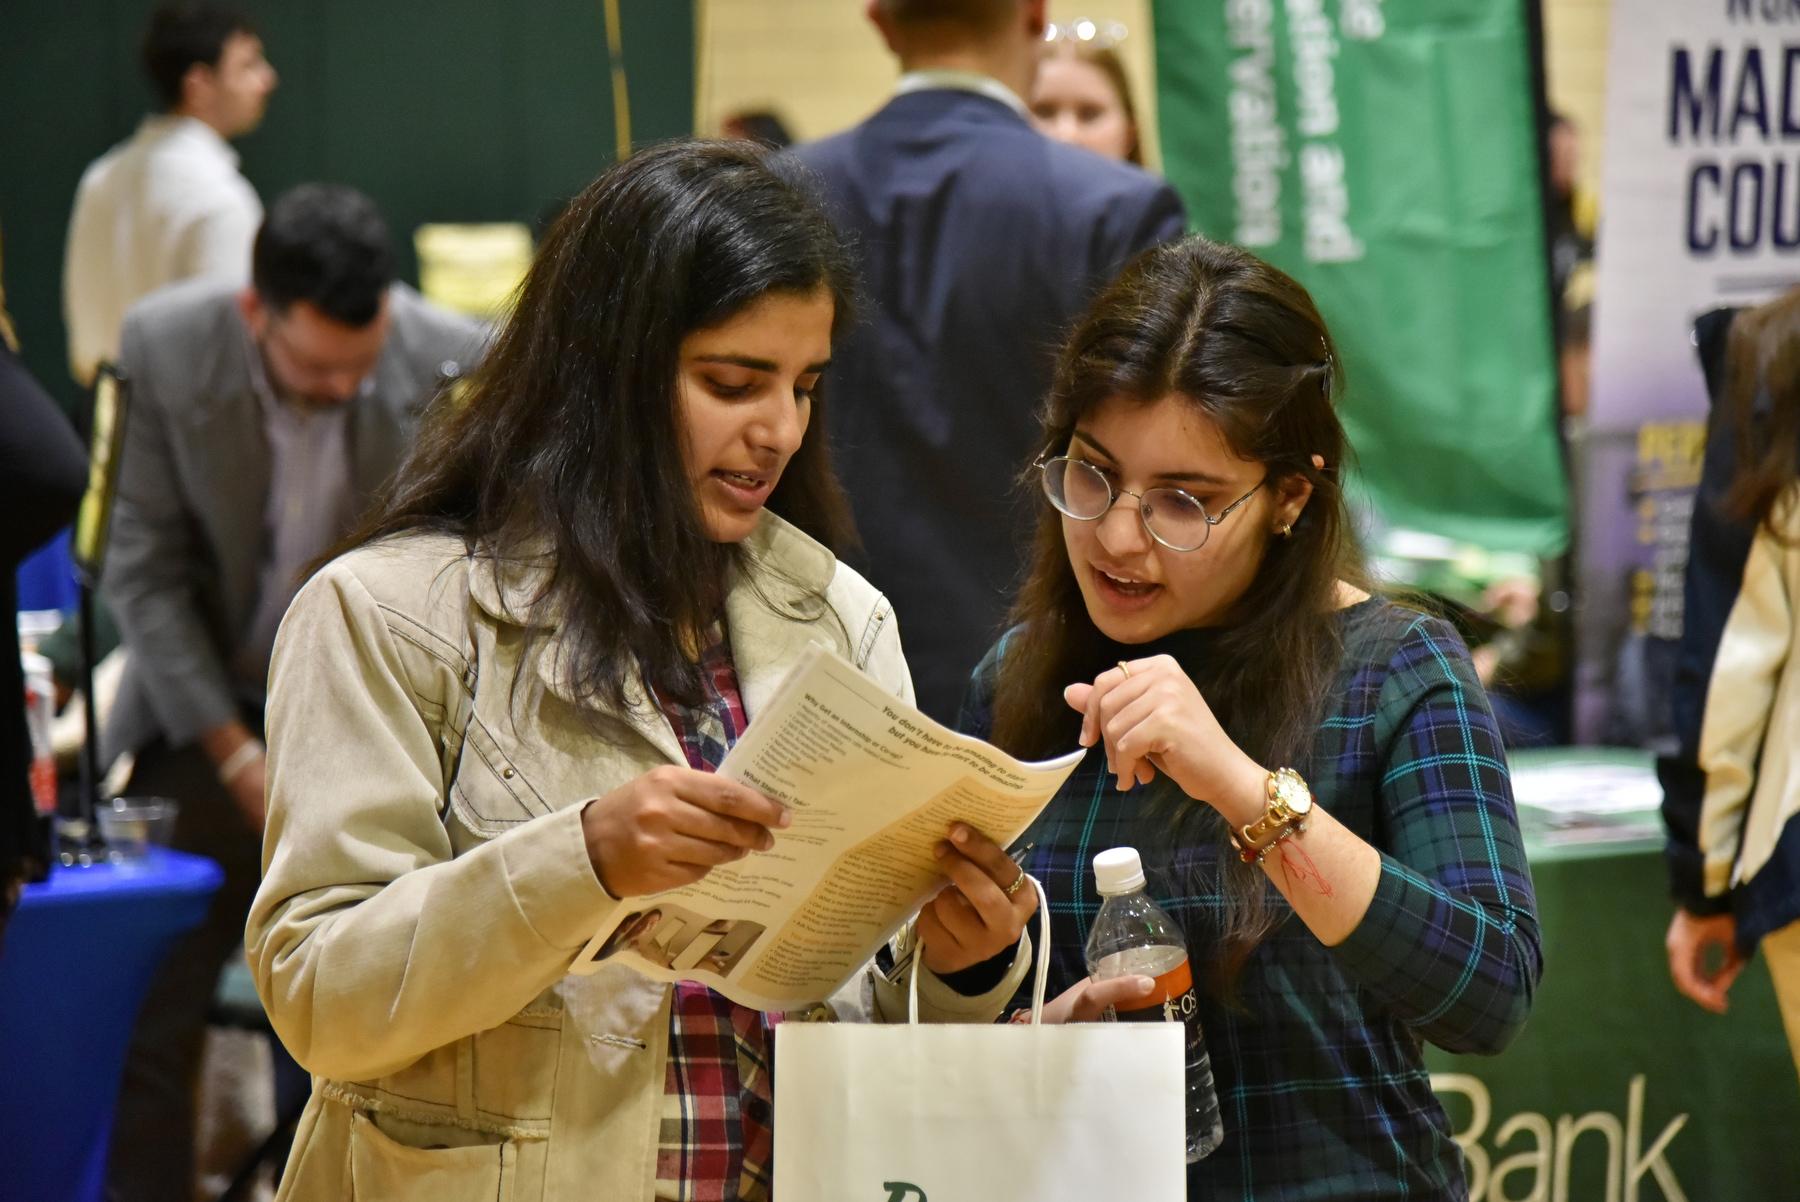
[(940, 849), (784, 819), (768, 841), (1146, 984), (960, 833)]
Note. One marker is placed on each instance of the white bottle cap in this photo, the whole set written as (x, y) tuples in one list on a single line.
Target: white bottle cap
[(1118, 871)]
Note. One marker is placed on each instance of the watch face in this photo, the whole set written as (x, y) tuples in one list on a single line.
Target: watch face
[(1291, 793)]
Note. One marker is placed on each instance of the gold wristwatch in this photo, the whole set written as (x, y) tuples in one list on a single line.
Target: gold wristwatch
[(1290, 802)]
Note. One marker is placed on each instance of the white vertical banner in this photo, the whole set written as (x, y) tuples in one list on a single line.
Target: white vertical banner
[(1700, 208)]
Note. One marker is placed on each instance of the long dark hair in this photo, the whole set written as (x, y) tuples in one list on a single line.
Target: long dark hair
[(1763, 361), (1243, 344), (565, 445)]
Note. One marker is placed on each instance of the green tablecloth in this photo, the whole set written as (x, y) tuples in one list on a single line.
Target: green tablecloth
[(1619, 1088)]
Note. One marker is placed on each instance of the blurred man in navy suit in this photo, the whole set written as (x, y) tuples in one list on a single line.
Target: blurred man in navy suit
[(979, 242)]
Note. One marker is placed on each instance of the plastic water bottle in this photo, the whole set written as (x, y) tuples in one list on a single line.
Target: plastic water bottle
[(1133, 935)]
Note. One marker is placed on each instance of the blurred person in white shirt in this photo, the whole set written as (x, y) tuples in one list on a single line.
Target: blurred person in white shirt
[(168, 203)]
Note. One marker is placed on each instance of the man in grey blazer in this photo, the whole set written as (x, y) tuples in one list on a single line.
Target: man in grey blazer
[(262, 422), (979, 242)]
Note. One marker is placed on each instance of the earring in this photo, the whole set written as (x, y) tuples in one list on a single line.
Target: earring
[(1286, 530)]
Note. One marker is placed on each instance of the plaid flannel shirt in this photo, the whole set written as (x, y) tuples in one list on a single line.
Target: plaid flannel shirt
[(716, 1142), (1317, 1054)]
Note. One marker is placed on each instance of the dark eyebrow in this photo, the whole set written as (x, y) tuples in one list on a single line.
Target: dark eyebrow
[(1176, 477), (768, 365)]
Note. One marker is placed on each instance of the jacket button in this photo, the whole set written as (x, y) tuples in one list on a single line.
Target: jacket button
[(507, 773)]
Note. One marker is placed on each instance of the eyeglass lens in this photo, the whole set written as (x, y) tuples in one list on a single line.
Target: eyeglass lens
[(1080, 490)]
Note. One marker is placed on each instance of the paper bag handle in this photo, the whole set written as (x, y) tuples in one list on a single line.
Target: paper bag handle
[(1039, 985)]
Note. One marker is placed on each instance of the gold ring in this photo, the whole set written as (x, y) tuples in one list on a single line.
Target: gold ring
[(1017, 884), (1125, 668)]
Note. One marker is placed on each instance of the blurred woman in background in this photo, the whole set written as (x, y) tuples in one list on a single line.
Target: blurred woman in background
[(1732, 790), (1082, 95)]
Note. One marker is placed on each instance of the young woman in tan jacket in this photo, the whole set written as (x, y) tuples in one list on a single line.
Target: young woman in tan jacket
[(492, 724)]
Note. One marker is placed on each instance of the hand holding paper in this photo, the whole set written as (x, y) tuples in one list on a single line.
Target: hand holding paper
[(973, 918), (671, 826), (869, 786)]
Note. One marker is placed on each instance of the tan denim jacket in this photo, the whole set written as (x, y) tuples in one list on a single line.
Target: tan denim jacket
[(426, 884)]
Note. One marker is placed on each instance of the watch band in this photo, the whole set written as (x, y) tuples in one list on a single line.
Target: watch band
[(1254, 840), (1256, 855)]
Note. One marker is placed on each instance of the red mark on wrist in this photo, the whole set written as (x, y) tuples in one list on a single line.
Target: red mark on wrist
[(1300, 870)]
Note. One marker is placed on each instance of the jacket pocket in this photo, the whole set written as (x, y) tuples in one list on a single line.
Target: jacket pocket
[(515, 1067), (452, 1167), (490, 795), (502, 1080)]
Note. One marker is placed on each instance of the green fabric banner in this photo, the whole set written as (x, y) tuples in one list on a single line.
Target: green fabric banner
[(1383, 152)]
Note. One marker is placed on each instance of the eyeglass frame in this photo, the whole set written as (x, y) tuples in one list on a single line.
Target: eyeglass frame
[(1113, 492), (1100, 36)]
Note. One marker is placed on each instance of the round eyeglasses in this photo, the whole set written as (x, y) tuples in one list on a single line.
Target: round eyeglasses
[(1173, 517)]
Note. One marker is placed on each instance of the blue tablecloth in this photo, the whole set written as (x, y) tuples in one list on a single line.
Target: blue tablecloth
[(77, 958), (46, 579)]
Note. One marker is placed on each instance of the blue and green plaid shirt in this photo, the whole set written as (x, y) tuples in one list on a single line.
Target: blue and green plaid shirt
[(1317, 1052)]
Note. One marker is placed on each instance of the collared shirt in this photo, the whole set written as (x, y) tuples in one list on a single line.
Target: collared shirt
[(1317, 1054), (167, 204), (715, 1142), (962, 81), (307, 510)]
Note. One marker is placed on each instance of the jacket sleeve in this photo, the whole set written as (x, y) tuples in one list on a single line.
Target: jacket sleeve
[(1718, 551), (1164, 220), (370, 941), (1450, 941), (1151, 218), (152, 553), (886, 999), (43, 468), (1753, 648)]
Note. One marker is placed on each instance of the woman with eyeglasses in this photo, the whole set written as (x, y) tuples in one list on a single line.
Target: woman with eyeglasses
[(1311, 773)]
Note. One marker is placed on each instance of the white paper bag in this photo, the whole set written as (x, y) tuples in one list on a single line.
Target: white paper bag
[(978, 1112)]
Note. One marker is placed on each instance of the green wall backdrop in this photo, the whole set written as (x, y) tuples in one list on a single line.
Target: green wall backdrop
[(450, 110), (1385, 154)]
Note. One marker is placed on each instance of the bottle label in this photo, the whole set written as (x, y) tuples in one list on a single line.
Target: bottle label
[(1172, 1000)]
